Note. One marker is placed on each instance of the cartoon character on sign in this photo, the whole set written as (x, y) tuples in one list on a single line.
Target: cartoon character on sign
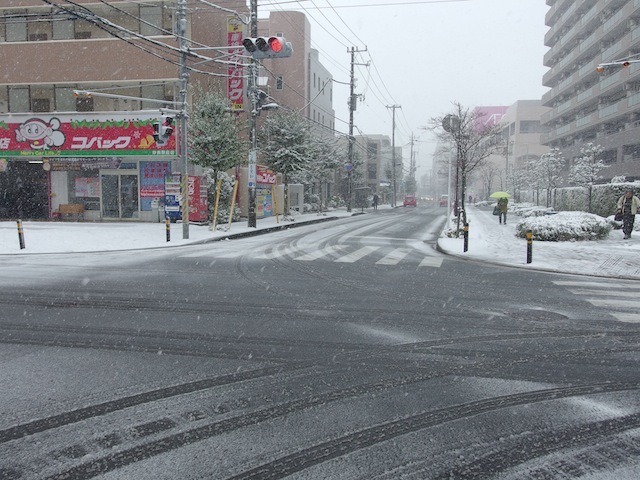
[(40, 134)]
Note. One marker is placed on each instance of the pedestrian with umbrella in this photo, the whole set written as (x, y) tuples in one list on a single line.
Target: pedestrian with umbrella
[(503, 202)]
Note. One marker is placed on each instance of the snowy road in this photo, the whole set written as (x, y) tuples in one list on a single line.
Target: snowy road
[(347, 350)]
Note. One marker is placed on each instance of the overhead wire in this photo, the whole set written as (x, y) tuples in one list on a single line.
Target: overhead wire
[(102, 24)]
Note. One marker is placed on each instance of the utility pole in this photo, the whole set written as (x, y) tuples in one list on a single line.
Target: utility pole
[(393, 150), (353, 98), (253, 95), (184, 78)]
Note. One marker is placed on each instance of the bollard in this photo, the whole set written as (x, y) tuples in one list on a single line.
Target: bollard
[(466, 236), (529, 246), (167, 222), (20, 234)]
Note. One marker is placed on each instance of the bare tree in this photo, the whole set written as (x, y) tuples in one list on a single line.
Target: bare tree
[(474, 140), (488, 173)]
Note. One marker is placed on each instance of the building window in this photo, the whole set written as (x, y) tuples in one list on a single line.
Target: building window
[(372, 150), (372, 171), (63, 30), (18, 99), (279, 82), (16, 29), (40, 105), (84, 104), (529, 126), (151, 15), (65, 100)]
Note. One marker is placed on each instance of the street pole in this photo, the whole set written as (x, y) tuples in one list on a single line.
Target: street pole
[(393, 151), (184, 77), (253, 95), (352, 108)]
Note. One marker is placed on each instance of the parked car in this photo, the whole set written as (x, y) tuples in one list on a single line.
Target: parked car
[(409, 200)]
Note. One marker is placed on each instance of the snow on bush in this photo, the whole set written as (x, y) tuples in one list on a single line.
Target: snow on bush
[(565, 226), (533, 211)]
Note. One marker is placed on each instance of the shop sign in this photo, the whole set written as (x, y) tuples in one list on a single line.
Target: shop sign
[(80, 134), (266, 176), (235, 71), (79, 163)]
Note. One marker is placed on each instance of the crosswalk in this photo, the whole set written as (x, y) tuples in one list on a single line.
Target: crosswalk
[(620, 299), (383, 255)]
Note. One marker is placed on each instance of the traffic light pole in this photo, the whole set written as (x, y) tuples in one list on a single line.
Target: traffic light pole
[(253, 96), (184, 77)]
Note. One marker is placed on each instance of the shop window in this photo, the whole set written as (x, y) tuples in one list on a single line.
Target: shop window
[(84, 188)]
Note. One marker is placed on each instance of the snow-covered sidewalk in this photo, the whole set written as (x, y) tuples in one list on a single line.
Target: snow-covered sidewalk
[(492, 242), (66, 237)]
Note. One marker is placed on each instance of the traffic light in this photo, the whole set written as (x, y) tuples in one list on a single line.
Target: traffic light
[(162, 130), (267, 47)]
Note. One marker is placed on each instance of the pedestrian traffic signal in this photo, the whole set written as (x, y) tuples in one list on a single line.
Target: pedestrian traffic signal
[(162, 130), (267, 47)]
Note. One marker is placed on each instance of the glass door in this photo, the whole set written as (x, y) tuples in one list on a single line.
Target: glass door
[(119, 190)]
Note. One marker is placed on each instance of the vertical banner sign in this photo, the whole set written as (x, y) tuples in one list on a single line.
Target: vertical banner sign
[(235, 82), (252, 169)]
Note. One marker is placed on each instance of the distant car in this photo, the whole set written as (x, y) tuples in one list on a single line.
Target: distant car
[(409, 200), (443, 200)]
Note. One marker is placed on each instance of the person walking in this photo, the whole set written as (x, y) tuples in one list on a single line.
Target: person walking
[(502, 209), (375, 202), (628, 205)]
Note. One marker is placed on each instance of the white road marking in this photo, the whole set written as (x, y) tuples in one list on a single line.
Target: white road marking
[(394, 257), (614, 303), (324, 252), (608, 293), (431, 262), (627, 317), (357, 255), (597, 284)]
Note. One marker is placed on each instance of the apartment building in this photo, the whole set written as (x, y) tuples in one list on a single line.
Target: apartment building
[(585, 105)]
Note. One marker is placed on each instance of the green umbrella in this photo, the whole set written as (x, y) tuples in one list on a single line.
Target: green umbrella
[(499, 195)]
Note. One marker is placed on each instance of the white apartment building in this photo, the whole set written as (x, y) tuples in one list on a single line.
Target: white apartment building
[(585, 105)]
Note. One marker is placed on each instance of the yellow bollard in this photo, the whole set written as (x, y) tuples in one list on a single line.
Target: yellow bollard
[(215, 206), (274, 201), (529, 246), (20, 234), (167, 226), (233, 203)]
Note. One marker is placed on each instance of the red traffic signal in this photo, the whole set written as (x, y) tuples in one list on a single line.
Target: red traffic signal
[(162, 130), (267, 47)]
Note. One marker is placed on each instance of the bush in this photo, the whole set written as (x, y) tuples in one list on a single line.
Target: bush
[(565, 226)]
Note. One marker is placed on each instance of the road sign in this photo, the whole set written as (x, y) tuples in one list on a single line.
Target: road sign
[(348, 167)]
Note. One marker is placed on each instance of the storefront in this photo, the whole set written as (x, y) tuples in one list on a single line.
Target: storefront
[(107, 162)]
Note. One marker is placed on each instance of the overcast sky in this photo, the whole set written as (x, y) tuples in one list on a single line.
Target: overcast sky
[(425, 55)]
